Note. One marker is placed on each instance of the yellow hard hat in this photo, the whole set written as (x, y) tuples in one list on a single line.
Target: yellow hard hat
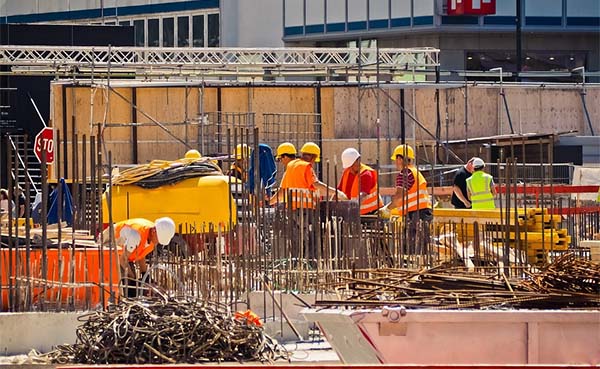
[(242, 151), (312, 148), (405, 150), (193, 154), (286, 148)]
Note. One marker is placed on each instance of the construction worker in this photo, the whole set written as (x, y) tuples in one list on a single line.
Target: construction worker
[(193, 154), (480, 187), (359, 182), (460, 197), (300, 177), (150, 234), (239, 168), (286, 152), (411, 197), (300, 190)]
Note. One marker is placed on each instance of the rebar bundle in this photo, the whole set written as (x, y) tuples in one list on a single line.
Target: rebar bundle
[(568, 283), (165, 330), (566, 274)]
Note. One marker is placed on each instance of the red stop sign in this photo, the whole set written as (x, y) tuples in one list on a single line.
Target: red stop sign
[(44, 142)]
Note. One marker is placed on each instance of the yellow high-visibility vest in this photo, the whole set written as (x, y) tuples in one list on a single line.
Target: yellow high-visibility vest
[(480, 188)]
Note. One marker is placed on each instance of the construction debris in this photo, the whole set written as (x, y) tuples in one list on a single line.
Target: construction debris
[(568, 283), (168, 331)]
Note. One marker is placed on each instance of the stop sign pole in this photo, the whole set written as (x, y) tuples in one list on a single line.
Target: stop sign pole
[(44, 142)]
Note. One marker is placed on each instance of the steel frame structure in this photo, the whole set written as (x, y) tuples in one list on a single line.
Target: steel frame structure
[(78, 61)]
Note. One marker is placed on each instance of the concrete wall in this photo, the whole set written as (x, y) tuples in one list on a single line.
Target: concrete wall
[(22, 332)]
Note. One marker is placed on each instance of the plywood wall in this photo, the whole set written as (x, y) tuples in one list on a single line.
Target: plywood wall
[(536, 110)]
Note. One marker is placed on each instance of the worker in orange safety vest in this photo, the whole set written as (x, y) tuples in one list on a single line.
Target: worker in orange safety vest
[(137, 238), (359, 182), (411, 198), (301, 186)]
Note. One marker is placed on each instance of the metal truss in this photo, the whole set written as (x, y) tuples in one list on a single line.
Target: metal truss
[(85, 60)]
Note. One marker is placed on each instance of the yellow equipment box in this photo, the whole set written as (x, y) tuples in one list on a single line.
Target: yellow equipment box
[(194, 203)]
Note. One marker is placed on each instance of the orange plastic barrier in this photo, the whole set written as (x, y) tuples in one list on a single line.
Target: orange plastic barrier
[(84, 288)]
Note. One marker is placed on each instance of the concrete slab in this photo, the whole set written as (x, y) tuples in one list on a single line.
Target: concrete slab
[(22, 332)]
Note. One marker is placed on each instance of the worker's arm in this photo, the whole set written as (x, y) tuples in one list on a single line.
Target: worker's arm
[(328, 191), (143, 266), (397, 199), (277, 197), (460, 196)]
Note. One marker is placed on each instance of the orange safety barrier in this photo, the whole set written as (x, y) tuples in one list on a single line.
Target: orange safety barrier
[(84, 288)]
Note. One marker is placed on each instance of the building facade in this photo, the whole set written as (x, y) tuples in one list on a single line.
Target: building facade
[(557, 35)]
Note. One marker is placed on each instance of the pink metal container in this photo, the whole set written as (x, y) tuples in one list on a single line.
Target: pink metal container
[(467, 337)]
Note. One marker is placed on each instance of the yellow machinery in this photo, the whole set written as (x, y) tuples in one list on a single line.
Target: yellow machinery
[(194, 204), (193, 192)]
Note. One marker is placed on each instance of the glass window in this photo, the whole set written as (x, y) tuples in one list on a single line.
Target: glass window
[(124, 23), (153, 32), (198, 30), (168, 32), (138, 27), (533, 61), (109, 23), (183, 31), (213, 30)]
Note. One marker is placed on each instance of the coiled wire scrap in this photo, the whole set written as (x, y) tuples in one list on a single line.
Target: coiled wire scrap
[(165, 330)]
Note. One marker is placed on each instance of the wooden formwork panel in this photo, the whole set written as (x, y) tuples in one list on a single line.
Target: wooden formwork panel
[(530, 109)]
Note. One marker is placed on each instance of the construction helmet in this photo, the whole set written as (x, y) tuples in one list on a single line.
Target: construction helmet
[(242, 151), (349, 156), (129, 238), (193, 154), (286, 148), (404, 150), (478, 163), (165, 230), (311, 148)]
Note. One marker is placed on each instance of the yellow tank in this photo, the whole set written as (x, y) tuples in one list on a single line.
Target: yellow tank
[(193, 203)]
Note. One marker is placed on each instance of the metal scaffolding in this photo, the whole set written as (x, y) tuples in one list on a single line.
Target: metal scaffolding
[(212, 61)]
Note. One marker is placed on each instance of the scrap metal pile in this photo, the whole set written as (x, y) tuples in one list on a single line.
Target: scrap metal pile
[(568, 283), (167, 331)]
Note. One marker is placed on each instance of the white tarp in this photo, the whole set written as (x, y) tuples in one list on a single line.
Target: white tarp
[(586, 176)]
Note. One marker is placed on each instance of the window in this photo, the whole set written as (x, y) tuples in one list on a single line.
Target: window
[(153, 33), (198, 30), (138, 27), (168, 32), (183, 31), (533, 61), (213, 30), (124, 23)]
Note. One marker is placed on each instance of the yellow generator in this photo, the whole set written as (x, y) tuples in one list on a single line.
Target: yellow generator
[(193, 192)]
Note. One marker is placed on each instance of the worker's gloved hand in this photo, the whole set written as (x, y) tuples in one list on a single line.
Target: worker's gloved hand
[(385, 212), (341, 195)]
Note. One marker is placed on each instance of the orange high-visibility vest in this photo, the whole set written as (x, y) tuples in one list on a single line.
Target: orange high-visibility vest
[(417, 197), (369, 202), (143, 226), (301, 194)]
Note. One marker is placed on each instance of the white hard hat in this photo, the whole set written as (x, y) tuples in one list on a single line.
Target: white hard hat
[(165, 230), (349, 156), (129, 238), (478, 163)]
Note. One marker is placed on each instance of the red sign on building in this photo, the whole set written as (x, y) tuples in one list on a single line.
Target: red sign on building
[(44, 142), (471, 7)]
